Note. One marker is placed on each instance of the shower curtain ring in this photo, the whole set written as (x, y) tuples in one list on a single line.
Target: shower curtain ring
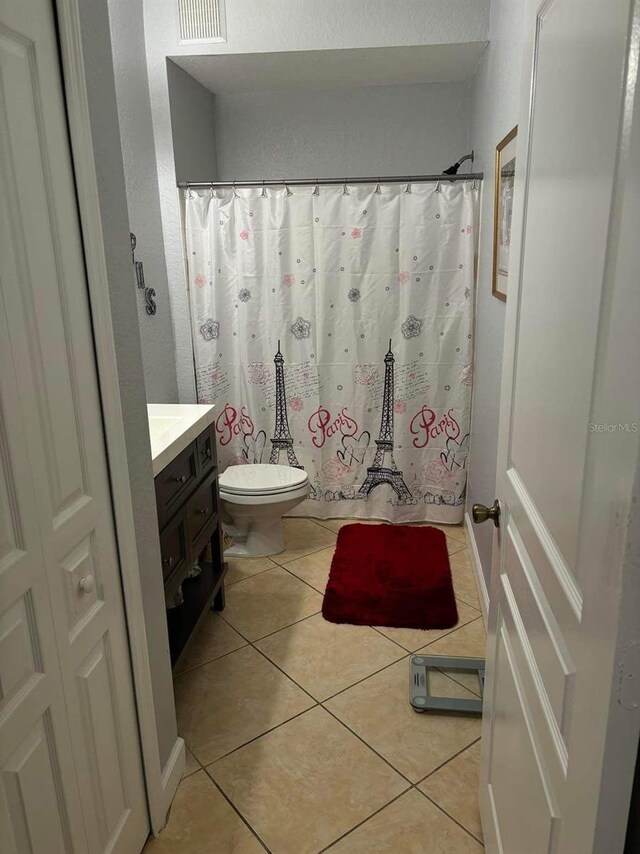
[(345, 190), (235, 195), (408, 187), (316, 189), (475, 186), (286, 186), (438, 187), (264, 190), (378, 190)]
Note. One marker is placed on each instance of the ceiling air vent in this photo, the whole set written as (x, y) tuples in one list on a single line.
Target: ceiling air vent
[(201, 21)]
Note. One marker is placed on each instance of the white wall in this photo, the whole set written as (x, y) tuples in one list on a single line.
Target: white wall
[(192, 126), (113, 208), (377, 130), (143, 199), (258, 26), (495, 107)]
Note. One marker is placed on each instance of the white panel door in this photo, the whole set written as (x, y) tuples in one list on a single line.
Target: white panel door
[(71, 772), (562, 704)]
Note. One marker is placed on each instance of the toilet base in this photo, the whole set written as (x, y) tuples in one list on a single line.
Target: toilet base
[(255, 523), (261, 539)]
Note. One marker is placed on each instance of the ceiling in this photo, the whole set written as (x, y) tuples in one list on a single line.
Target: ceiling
[(333, 69)]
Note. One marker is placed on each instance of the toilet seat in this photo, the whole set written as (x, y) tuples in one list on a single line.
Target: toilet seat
[(260, 480)]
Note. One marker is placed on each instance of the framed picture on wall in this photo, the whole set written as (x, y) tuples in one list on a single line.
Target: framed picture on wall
[(503, 205)]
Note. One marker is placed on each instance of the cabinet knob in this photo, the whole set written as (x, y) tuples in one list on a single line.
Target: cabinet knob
[(86, 583), (169, 561), (181, 479), (208, 452), (205, 511)]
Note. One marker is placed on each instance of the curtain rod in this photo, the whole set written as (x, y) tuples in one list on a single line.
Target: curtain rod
[(312, 182)]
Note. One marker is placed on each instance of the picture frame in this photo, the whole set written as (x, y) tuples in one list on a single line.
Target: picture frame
[(502, 212)]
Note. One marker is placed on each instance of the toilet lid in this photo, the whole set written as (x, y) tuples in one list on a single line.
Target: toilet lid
[(260, 479)]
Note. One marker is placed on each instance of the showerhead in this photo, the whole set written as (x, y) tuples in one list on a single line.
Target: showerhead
[(453, 170)]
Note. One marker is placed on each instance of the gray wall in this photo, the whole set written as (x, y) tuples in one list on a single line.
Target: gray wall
[(143, 199), (113, 207), (495, 107), (192, 126), (274, 25), (373, 130)]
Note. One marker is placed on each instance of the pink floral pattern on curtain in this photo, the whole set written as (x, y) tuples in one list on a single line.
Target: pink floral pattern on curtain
[(333, 331)]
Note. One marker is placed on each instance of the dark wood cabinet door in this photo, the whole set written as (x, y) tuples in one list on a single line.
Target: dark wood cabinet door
[(206, 449), (174, 550), (202, 514), (175, 482), (187, 499)]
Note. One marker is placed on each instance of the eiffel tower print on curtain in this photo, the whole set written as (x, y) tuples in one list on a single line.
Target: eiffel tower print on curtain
[(282, 440), (384, 469)]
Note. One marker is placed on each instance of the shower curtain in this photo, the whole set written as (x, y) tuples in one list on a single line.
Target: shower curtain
[(332, 328)]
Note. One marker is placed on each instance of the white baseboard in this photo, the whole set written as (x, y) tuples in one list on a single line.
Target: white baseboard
[(477, 565), (171, 776)]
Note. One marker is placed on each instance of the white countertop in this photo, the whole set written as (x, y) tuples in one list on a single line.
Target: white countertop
[(173, 426)]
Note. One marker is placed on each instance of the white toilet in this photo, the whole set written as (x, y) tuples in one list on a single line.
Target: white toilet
[(254, 499)]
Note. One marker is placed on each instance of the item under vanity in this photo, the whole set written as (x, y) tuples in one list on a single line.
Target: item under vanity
[(190, 538)]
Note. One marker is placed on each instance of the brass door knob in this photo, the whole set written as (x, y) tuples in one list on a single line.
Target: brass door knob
[(481, 513)]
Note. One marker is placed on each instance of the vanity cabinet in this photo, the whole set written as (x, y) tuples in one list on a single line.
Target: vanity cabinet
[(190, 536)]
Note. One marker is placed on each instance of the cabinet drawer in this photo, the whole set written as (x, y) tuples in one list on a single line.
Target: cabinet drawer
[(173, 547), (175, 482), (201, 510), (206, 445)]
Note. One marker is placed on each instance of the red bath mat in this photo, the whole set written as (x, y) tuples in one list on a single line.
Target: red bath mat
[(391, 575)]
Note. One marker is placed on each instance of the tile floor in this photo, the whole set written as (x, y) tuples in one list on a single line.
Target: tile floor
[(299, 732)]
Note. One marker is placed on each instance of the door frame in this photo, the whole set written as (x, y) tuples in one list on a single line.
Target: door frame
[(161, 783), (618, 761)]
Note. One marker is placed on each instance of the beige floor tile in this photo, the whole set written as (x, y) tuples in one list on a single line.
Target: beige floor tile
[(454, 546), (469, 643), (314, 568), (191, 764), (337, 524), (245, 567), (464, 580), (270, 601), (306, 783), (455, 532), (455, 788), (410, 825), (302, 537), (378, 711), (469, 640), (325, 658), (213, 638), (414, 639), (199, 815), (227, 702), (452, 533), (469, 680)]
